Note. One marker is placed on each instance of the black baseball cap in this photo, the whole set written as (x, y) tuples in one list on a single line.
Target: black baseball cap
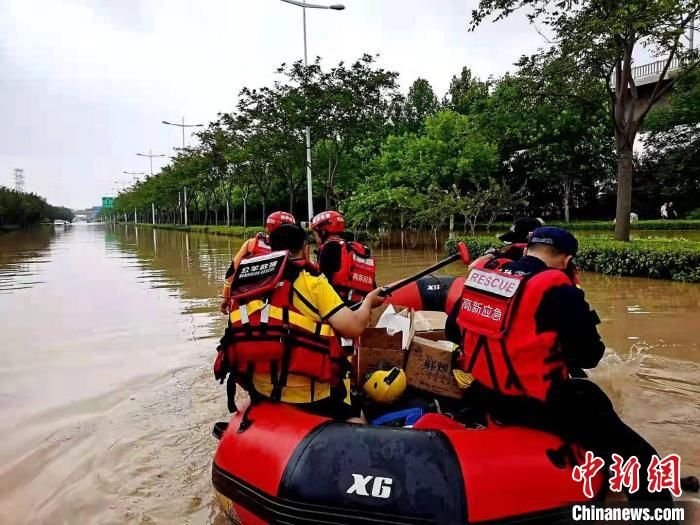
[(557, 238), (520, 230)]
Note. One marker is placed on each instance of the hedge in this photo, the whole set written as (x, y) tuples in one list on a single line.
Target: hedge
[(678, 260), (608, 225)]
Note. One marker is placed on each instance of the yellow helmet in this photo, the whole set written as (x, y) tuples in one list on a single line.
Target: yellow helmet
[(385, 386)]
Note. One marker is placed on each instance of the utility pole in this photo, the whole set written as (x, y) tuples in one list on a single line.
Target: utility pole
[(150, 156), (309, 189)]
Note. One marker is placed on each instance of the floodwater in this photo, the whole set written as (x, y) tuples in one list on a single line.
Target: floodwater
[(106, 395)]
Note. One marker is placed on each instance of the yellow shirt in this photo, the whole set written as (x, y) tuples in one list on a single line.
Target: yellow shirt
[(323, 301)]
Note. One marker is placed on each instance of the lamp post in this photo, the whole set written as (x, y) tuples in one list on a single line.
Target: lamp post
[(183, 126), (309, 190), (150, 156), (134, 174)]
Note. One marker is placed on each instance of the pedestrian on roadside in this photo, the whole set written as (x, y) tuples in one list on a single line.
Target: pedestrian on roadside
[(664, 210), (671, 211)]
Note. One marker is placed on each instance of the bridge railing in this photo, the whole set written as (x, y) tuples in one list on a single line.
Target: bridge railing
[(654, 68)]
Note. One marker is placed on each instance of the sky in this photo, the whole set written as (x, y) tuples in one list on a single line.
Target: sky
[(85, 84)]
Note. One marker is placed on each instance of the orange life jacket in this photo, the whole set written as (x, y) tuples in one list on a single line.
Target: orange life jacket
[(502, 347), (261, 245), (267, 334), (356, 276)]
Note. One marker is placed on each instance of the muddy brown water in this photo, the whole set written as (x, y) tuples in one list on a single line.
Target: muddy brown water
[(106, 396)]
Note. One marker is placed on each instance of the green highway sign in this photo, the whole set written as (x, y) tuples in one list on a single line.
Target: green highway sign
[(108, 202)]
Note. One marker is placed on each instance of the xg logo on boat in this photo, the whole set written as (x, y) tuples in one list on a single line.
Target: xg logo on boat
[(379, 488)]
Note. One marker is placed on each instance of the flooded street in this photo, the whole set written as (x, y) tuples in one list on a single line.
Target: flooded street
[(107, 399)]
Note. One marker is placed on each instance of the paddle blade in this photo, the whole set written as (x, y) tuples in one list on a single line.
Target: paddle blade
[(463, 253)]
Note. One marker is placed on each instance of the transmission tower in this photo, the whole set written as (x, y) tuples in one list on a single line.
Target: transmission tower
[(19, 179)]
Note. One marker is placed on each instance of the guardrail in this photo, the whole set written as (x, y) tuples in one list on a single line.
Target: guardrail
[(654, 68)]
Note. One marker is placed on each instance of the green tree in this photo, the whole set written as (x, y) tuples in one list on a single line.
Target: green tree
[(466, 94), (599, 39), (452, 150), (561, 129), (420, 104), (669, 166)]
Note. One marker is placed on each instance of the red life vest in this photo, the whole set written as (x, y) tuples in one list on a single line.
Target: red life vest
[(261, 245), (267, 334), (503, 349), (356, 276)]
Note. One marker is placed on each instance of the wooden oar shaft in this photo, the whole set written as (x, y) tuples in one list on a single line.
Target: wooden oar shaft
[(387, 290)]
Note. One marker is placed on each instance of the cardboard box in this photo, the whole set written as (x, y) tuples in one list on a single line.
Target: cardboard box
[(429, 367), (427, 321), (376, 345), (433, 335)]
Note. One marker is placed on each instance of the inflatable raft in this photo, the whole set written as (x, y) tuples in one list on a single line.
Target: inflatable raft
[(289, 466), (437, 293)]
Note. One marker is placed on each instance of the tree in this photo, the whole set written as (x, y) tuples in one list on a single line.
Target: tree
[(437, 207), (347, 106), (452, 150), (669, 167), (599, 39), (561, 127), (420, 104), (466, 94)]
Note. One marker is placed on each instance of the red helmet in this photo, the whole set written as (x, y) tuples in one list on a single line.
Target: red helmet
[(328, 221), (277, 219)]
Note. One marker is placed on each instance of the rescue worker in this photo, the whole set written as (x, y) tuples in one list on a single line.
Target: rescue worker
[(281, 343), (349, 268), (347, 265), (522, 327), (258, 245)]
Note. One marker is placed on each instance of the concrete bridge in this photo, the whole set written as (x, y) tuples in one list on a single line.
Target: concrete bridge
[(649, 73), (645, 78)]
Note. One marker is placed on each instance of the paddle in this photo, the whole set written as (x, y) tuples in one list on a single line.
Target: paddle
[(462, 253)]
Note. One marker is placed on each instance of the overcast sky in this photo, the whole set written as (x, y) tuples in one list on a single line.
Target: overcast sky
[(85, 84)]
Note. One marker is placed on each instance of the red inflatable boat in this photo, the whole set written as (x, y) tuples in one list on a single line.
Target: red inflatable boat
[(289, 466), (437, 293)]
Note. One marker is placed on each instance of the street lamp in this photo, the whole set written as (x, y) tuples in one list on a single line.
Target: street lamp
[(304, 5), (150, 156), (183, 126), (135, 174)]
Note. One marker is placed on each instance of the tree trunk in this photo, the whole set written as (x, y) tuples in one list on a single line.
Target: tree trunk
[(264, 210), (452, 225), (403, 233), (625, 169), (329, 184), (245, 212), (567, 196), (228, 214)]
